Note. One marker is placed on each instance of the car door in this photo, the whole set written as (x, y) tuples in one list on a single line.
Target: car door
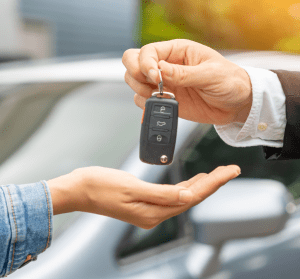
[(270, 257)]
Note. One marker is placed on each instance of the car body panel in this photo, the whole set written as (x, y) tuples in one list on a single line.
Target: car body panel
[(110, 69)]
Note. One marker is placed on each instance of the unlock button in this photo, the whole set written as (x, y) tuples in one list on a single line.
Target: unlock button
[(159, 136)]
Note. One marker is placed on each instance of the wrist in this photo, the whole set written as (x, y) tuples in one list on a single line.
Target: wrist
[(245, 89), (243, 113), (66, 192)]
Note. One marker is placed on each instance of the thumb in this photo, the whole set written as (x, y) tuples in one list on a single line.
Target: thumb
[(185, 76)]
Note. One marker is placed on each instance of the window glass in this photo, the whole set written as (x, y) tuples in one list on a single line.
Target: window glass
[(97, 124), (138, 244), (212, 152), (139, 240)]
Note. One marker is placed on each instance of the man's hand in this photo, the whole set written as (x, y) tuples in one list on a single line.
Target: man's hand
[(208, 87), (120, 195)]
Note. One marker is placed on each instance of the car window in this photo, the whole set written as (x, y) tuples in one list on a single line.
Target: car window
[(139, 240), (23, 108), (138, 243), (212, 152), (97, 124)]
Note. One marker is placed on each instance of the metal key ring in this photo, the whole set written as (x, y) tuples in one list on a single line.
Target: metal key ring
[(161, 84), (167, 93)]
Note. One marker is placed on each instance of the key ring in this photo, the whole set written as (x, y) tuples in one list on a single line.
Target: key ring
[(161, 84), (166, 93), (161, 87)]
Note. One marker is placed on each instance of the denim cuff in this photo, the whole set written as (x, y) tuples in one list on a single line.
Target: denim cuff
[(30, 214)]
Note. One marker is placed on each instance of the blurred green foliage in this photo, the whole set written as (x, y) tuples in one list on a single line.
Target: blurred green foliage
[(154, 25), (222, 24)]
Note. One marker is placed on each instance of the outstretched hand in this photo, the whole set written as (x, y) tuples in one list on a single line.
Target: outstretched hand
[(120, 195), (208, 87)]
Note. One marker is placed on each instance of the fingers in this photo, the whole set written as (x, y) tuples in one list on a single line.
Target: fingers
[(160, 194), (180, 75), (176, 52), (151, 54), (201, 186), (130, 60), (144, 62), (140, 88), (200, 76), (140, 101), (183, 63), (208, 184), (194, 179)]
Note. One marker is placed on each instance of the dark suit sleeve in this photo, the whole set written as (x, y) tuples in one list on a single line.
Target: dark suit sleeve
[(290, 82)]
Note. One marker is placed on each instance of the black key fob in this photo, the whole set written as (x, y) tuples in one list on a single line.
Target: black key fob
[(159, 130)]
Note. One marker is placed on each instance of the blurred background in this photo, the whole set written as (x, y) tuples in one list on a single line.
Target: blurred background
[(61, 114), (32, 29), (41, 29), (223, 24)]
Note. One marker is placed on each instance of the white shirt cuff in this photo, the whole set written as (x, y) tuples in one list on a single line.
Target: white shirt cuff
[(266, 122)]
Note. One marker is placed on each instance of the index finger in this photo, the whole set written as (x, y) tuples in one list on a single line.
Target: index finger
[(202, 186), (210, 183), (172, 51), (131, 62)]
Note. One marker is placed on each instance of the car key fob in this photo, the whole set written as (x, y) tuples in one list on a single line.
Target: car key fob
[(159, 130)]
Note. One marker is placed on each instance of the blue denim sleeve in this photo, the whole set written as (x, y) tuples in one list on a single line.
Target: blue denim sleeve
[(25, 224)]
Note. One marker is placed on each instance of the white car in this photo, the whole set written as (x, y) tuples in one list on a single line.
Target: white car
[(59, 116)]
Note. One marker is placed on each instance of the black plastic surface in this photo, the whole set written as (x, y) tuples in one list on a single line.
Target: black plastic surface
[(159, 130)]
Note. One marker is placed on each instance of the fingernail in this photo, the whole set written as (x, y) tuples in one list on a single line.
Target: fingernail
[(152, 74), (185, 196)]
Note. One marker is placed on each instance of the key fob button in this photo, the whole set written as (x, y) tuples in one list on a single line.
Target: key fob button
[(161, 123), (162, 110), (159, 136)]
